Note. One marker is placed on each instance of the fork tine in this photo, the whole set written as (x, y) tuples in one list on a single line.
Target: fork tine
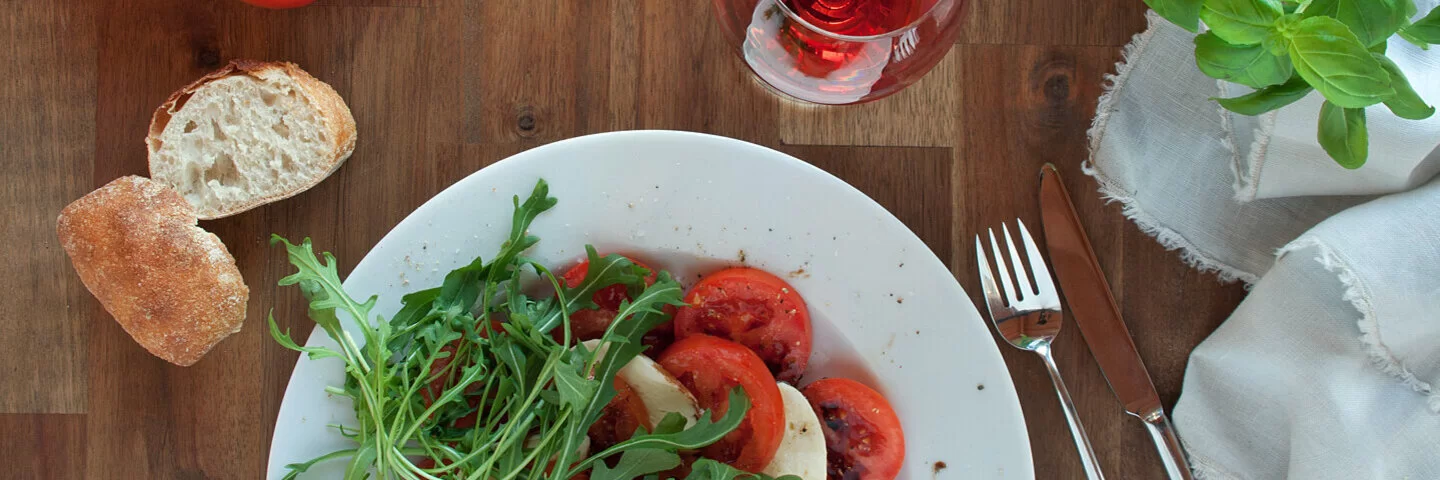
[(1022, 279), (987, 280), (1044, 285), (1000, 268)]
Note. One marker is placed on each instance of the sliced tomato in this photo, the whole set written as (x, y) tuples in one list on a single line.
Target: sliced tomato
[(756, 309), (621, 417), (591, 324), (710, 367), (862, 433)]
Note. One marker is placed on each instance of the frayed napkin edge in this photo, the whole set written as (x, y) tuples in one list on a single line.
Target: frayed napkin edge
[(1111, 191), (1246, 167), (1357, 294), (1204, 469)]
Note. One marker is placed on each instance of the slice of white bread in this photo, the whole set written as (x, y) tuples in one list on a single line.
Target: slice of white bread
[(249, 134), (170, 284)]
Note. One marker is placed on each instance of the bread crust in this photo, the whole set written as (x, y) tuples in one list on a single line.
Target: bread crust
[(335, 115), (170, 284)]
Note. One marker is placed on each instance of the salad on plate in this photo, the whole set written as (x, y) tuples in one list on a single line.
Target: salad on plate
[(610, 369)]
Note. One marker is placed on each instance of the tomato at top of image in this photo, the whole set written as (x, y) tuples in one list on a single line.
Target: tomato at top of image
[(710, 367), (863, 438), (756, 309), (591, 324), (279, 4)]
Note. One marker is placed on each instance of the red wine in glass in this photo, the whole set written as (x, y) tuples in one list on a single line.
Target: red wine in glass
[(840, 51)]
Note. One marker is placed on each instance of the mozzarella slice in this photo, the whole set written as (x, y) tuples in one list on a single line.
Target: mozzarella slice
[(657, 389), (802, 449)]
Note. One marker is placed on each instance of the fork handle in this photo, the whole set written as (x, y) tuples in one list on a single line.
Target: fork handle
[(1082, 441)]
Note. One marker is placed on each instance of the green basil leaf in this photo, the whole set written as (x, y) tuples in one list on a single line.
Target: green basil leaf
[(1241, 22), (1372, 21), (636, 463), (1333, 61), (1406, 103), (1414, 40), (1268, 98), (1425, 31), (1249, 65), (1343, 135), (1185, 13), (1275, 42)]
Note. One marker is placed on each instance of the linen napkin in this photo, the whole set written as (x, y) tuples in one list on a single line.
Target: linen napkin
[(1326, 370)]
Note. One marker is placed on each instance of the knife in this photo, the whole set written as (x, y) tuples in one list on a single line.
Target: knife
[(1094, 310)]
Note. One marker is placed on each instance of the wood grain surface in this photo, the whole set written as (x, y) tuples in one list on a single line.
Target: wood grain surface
[(441, 88)]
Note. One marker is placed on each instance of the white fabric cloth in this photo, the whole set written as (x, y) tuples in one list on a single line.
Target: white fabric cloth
[(1330, 368)]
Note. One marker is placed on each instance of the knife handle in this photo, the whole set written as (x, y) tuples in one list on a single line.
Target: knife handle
[(1171, 453)]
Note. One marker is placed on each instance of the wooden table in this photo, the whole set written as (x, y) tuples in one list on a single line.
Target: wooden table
[(441, 88)]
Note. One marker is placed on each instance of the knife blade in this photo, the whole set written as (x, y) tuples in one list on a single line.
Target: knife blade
[(1091, 303), (1093, 307)]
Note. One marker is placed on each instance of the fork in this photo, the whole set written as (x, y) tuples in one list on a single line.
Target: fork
[(1031, 319)]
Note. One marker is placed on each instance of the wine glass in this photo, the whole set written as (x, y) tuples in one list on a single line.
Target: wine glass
[(839, 52)]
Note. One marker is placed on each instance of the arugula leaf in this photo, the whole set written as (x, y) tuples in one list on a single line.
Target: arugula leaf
[(359, 467), (1249, 65), (1372, 21), (671, 423), (1269, 98), (1406, 103), (1185, 13), (632, 322), (461, 289), (575, 389), (527, 398), (635, 463), (1343, 135), (704, 432), (283, 338), (295, 469), (1333, 61), (603, 272), (1425, 31), (1241, 22), (707, 469)]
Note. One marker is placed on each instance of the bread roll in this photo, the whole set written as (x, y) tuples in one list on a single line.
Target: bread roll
[(170, 284), (249, 134)]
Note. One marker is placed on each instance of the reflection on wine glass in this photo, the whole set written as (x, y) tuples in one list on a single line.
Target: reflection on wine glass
[(840, 51)]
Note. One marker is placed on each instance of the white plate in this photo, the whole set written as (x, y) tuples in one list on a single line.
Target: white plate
[(690, 203)]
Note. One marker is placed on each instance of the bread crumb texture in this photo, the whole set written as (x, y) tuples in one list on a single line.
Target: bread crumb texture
[(170, 284), (248, 134)]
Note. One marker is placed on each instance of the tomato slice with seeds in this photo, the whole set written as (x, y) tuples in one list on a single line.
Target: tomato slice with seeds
[(591, 324), (710, 367), (619, 419), (863, 438), (756, 309)]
